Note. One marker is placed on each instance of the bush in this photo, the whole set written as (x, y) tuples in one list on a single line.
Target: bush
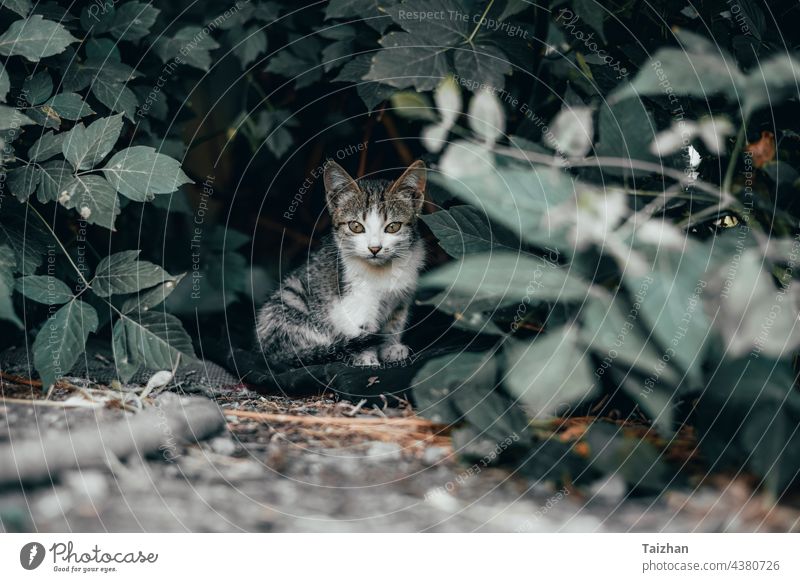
[(619, 209)]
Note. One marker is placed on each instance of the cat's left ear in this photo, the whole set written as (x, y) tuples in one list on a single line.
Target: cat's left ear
[(338, 185), (412, 183)]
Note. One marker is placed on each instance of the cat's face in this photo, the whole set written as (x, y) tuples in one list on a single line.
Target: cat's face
[(374, 220)]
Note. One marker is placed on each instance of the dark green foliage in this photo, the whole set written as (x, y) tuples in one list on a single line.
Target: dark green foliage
[(596, 265)]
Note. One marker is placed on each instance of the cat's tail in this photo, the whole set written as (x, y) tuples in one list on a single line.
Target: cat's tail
[(290, 358)]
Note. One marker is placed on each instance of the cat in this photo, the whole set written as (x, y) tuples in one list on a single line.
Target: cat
[(355, 291)]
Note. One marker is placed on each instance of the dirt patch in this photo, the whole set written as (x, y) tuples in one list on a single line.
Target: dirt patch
[(321, 464)]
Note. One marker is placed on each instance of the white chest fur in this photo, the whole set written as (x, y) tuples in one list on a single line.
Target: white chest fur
[(371, 293)]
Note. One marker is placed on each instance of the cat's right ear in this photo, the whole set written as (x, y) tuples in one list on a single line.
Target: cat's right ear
[(338, 184)]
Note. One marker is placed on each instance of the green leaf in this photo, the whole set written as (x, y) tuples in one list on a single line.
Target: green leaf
[(102, 49), (44, 116), (673, 307), (54, 177), (754, 314), (413, 105), (551, 373), (299, 61), (125, 352), (614, 452), (271, 127), (44, 289), (440, 378), (93, 71), (47, 146), (464, 230), (94, 199), (69, 106), (463, 387), (521, 200), (35, 38), (98, 18), (26, 236), (450, 29), (5, 83), (483, 63), (8, 264), (658, 403), (512, 8), (117, 97), (486, 117), (133, 20), (123, 273), (21, 7), (748, 415), (152, 297), (371, 11), (408, 60), (38, 88), (611, 328), (248, 44), (336, 54), (593, 13), (23, 181), (85, 146), (62, 340), (11, 118), (770, 83), (189, 37), (503, 278), (626, 131), (140, 172), (700, 69), (372, 93), (571, 131), (150, 339)]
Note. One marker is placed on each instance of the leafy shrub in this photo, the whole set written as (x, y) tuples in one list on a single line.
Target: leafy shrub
[(603, 258)]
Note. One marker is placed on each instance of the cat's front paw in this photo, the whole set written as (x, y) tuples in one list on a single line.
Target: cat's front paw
[(366, 358), (394, 352)]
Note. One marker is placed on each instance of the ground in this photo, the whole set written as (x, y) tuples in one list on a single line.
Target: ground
[(315, 464)]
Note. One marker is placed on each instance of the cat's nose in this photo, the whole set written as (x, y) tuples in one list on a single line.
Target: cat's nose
[(375, 250)]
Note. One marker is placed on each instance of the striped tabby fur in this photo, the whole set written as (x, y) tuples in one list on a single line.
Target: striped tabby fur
[(355, 291)]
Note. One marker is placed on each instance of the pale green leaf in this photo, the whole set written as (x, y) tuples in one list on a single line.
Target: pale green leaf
[(44, 289), (35, 38), (62, 340), (551, 373), (140, 172), (123, 272)]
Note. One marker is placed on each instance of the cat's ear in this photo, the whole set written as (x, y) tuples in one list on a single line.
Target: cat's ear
[(338, 184), (412, 183)]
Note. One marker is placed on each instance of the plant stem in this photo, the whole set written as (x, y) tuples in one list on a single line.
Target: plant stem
[(549, 160), (737, 149), (478, 26), (58, 240)]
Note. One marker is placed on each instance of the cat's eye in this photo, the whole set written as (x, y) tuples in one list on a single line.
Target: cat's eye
[(393, 227), (356, 227)]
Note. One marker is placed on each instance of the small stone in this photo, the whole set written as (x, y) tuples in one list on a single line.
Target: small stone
[(87, 484), (433, 455), (384, 451), (223, 446), (610, 489)]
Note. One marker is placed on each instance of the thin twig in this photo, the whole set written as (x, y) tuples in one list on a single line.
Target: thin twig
[(611, 162), (408, 422), (737, 149), (480, 22)]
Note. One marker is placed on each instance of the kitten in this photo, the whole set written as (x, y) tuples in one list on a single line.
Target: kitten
[(358, 286)]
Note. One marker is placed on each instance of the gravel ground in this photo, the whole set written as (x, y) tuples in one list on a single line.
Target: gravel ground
[(320, 476)]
